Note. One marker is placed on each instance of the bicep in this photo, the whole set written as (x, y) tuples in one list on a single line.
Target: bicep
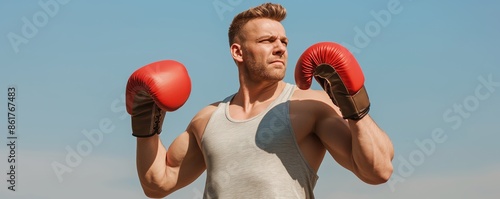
[(184, 160), (335, 136), (334, 133)]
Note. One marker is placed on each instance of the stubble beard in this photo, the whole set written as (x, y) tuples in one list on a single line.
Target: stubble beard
[(263, 72)]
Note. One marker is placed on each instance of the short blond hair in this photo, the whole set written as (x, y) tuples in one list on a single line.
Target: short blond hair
[(266, 10)]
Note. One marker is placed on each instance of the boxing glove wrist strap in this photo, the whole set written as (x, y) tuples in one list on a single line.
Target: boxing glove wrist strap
[(352, 106), (355, 106), (147, 119)]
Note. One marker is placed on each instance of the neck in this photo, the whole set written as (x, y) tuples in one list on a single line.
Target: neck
[(254, 94)]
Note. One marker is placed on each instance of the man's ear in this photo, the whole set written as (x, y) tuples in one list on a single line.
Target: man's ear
[(236, 52)]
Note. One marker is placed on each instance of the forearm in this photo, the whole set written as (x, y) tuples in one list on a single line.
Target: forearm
[(372, 151), (151, 165)]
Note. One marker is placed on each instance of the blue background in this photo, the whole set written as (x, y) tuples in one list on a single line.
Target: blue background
[(425, 64)]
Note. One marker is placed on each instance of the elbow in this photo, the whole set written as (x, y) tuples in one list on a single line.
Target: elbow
[(152, 190), (151, 193), (155, 195), (378, 176)]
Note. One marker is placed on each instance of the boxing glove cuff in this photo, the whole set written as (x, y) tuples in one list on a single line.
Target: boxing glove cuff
[(147, 117), (352, 106)]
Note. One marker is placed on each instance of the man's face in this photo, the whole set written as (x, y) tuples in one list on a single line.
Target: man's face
[(264, 49)]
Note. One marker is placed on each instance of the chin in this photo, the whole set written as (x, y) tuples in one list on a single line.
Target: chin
[(278, 77)]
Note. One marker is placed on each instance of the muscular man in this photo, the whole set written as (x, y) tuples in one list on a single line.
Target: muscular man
[(269, 138)]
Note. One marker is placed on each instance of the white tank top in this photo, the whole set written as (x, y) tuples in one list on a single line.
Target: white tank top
[(257, 157)]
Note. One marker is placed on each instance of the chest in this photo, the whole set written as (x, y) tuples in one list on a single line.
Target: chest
[(269, 131)]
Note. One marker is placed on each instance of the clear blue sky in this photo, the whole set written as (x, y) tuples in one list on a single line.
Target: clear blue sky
[(432, 73)]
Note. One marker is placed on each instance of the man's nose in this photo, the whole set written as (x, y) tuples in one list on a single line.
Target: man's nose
[(279, 49)]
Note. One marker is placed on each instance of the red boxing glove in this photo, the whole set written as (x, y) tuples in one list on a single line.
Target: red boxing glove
[(338, 73), (152, 90)]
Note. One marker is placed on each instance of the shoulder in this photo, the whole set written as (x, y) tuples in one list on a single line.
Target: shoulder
[(200, 120), (312, 95), (311, 99), (206, 112)]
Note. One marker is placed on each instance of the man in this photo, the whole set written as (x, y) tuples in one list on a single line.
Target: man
[(269, 138)]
